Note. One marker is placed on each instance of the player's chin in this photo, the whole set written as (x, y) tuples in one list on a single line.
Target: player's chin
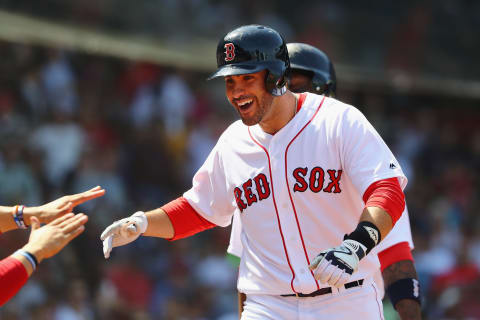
[(249, 120)]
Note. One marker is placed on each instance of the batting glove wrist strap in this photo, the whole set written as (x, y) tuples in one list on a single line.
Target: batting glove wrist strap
[(408, 288), (367, 234)]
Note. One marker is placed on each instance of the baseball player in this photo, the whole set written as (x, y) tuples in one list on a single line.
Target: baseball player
[(315, 186), (311, 70)]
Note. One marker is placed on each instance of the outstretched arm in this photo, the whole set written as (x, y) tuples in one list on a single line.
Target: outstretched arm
[(47, 212), (44, 242), (159, 224), (173, 221)]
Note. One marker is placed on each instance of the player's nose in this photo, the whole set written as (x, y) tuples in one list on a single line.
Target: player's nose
[(238, 91)]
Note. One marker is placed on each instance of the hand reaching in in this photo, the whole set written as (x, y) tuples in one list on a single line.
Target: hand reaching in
[(123, 231), (47, 241), (61, 206)]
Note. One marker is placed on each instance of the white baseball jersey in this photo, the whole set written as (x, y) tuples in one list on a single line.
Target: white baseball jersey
[(400, 233), (296, 192)]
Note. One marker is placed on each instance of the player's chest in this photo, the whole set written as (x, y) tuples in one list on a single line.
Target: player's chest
[(282, 169)]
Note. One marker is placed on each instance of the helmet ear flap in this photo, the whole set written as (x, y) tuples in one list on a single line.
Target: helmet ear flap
[(275, 85)]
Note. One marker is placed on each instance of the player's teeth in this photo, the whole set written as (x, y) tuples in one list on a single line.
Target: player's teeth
[(241, 104)]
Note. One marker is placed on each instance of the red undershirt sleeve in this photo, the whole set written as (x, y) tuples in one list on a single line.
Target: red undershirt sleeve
[(400, 251), (185, 220), (12, 277), (388, 195)]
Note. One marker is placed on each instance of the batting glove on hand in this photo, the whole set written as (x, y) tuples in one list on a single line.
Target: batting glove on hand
[(123, 231), (335, 266)]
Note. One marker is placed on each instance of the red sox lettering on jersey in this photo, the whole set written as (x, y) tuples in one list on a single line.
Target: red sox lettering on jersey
[(245, 196), (296, 192)]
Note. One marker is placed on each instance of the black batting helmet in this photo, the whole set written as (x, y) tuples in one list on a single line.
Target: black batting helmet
[(308, 58), (252, 48)]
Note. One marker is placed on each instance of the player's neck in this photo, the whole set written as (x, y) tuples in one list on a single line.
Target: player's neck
[(282, 111)]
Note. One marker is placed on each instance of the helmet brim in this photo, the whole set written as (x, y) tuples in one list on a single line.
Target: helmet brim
[(236, 69)]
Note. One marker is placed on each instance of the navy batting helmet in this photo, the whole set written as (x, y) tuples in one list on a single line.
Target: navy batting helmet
[(307, 58), (250, 49)]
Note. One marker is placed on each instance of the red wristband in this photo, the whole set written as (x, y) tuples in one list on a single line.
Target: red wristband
[(185, 220)]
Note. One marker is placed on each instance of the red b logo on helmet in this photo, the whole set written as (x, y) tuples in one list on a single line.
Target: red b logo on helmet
[(229, 51)]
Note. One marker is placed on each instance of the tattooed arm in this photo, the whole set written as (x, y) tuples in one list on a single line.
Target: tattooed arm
[(406, 308)]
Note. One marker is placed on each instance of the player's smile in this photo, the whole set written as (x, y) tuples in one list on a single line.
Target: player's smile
[(245, 92), (243, 104)]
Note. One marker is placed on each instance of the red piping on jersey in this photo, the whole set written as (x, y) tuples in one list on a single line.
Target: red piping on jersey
[(276, 210), (301, 99), (288, 186)]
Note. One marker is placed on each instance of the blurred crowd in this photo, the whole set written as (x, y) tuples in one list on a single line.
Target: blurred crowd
[(70, 121), (438, 37)]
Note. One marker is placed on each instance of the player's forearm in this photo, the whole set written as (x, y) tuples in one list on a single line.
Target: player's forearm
[(399, 270), (6, 219), (408, 310), (380, 218), (159, 225), (405, 269)]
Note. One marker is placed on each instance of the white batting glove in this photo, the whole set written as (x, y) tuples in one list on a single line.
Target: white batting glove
[(336, 265), (123, 231)]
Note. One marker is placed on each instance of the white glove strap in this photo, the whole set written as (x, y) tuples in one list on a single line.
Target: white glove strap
[(142, 220)]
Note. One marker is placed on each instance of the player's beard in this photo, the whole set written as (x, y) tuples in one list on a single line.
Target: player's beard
[(263, 106)]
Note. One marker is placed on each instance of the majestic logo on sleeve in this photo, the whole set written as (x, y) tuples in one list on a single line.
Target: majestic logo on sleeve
[(229, 51), (316, 180)]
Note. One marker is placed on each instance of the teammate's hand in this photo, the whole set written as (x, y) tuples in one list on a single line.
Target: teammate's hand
[(56, 208), (48, 240), (335, 266), (123, 231)]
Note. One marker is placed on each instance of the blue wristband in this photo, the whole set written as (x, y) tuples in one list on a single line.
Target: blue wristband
[(30, 257), (18, 217), (408, 288)]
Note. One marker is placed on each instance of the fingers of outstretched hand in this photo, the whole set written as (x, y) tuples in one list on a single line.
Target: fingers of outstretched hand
[(93, 193), (66, 206), (132, 229), (61, 219), (107, 246), (112, 229), (73, 223), (72, 234)]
